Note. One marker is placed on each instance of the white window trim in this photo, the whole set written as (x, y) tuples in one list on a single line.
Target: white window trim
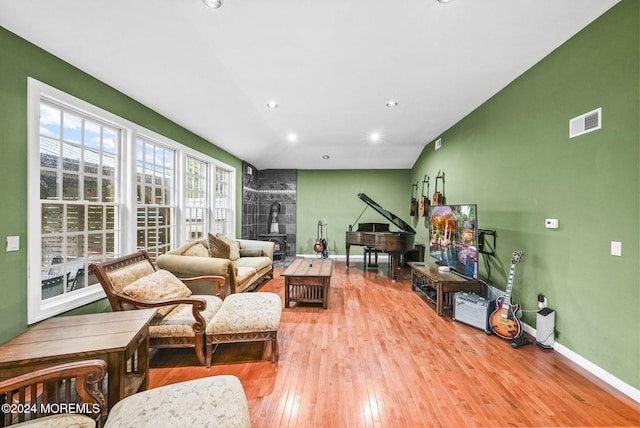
[(38, 309)]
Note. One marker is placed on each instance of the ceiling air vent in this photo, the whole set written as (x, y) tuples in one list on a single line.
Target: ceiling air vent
[(585, 123)]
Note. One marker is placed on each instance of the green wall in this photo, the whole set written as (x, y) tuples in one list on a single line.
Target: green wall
[(331, 196), (513, 157), (19, 60)]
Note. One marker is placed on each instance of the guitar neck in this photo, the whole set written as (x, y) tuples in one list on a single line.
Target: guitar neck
[(506, 301)]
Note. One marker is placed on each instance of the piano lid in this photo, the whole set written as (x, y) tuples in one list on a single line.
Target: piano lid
[(397, 221)]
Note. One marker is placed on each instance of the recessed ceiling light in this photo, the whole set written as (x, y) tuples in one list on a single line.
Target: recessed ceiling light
[(392, 104), (292, 137), (214, 4), (325, 157), (272, 104), (444, 1), (375, 137)]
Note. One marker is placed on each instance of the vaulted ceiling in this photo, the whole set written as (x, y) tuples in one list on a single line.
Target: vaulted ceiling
[(332, 66)]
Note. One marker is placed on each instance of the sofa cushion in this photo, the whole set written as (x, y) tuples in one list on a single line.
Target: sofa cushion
[(159, 285), (244, 274), (179, 322), (197, 250), (218, 247), (257, 263), (234, 246), (222, 247), (251, 252)]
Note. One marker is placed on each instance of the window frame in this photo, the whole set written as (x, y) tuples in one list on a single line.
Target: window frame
[(39, 309)]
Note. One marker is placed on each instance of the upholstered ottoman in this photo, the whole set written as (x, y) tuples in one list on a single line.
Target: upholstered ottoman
[(245, 317), (216, 401)]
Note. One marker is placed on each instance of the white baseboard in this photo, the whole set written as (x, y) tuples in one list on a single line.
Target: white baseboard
[(595, 370)]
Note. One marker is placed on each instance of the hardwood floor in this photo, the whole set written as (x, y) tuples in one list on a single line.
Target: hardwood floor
[(379, 356)]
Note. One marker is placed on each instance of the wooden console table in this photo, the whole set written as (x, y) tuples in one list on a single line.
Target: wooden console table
[(438, 287), (119, 338), (307, 280)]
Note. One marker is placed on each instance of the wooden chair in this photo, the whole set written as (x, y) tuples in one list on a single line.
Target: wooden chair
[(72, 392), (65, 395), (180, 321)]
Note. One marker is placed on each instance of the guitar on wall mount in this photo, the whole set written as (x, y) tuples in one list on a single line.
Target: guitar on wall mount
[(437, 196), (423, 207), (414, 201), (503, 320)]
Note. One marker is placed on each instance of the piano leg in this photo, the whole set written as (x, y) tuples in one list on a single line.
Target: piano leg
[(347, 248), (393, 266)]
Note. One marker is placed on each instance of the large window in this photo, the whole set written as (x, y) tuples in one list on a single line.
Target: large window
[(101, 187), (79, 157), (224, 209), (156, 201), (197, 219)]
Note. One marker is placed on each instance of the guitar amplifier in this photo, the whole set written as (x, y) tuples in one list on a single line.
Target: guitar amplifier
[(473, 310)]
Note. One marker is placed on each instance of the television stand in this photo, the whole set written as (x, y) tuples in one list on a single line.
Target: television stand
[(438, 287)]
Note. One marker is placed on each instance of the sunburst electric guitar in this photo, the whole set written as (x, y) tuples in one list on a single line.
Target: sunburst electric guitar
[(503, 320)]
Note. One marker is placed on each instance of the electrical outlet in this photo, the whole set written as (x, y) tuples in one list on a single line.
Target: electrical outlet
[(542, 301)]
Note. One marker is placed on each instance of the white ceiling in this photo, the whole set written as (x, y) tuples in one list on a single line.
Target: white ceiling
[(331, 65)]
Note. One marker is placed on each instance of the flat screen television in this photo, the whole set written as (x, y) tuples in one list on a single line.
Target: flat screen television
[(453, 234)]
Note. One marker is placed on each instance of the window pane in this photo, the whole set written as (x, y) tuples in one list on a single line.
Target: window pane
[(48, 184), (52, 218), (95, 217), (75, 218), (72, 130), (71, 157), (90, 188), (75, 246), (108, 190), (49, 153), (92, 136), (70, 187), (96, 243), (49, 121)]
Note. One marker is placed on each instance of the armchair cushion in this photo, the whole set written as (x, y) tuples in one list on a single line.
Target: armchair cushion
[(126, 275), (179, 321), (216, 401), (158, 285), (247, 312)]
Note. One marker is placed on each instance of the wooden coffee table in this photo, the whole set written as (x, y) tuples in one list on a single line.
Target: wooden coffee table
[(119, 338), (308, 281)]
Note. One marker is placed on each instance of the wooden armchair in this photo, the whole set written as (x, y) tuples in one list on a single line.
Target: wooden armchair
[(65, 395), (132, 282), (73, 390)]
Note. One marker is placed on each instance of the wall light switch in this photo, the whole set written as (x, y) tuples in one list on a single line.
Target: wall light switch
[(616, 248), (13, 243), (552, 223)]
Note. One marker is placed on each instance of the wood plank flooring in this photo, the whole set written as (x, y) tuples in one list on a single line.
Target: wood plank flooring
[(379, 356)]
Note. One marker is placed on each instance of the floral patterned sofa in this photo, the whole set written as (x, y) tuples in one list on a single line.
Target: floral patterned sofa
[(244, 263)]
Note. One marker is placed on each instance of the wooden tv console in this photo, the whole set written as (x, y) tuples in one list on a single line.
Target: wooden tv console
[(438, 287)]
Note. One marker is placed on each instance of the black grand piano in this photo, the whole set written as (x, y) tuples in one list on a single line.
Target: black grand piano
[(378, 238)]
